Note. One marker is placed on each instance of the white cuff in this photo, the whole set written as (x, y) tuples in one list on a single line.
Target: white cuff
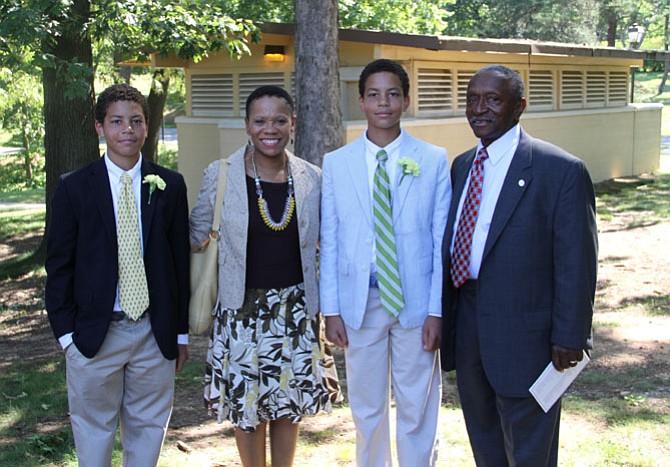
[(65, 340)]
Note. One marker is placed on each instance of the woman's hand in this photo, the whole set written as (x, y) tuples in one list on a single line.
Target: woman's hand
[(201, 247)]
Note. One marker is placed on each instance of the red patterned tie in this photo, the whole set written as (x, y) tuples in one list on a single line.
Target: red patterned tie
[(460, 258)]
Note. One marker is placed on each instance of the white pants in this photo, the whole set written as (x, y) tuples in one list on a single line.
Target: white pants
[(128, 379), (379, 353)]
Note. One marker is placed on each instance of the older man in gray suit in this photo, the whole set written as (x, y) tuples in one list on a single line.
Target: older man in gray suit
[(520, 260)]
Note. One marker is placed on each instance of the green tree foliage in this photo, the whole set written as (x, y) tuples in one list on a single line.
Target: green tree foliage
[(57, 37), (276, 11), (550, 20), (403, 16), (189, 29), (21, 112)]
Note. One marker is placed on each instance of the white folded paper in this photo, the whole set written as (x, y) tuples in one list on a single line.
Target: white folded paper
[(551, 384)]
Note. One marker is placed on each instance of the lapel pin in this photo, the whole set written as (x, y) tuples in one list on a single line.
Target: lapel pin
[(522, 182)]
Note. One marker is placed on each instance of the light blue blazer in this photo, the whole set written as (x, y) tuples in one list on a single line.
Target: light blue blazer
[(420, 207)]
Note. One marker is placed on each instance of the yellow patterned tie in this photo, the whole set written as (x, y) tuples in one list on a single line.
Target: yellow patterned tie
[(133, 290)]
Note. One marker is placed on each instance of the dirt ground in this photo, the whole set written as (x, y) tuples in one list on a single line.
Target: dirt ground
[(633, 272)]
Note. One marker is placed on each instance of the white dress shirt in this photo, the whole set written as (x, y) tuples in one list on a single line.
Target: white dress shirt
[(496, 166)]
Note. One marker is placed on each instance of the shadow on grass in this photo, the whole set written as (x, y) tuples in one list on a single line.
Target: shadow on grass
[(645, 200), (617, 410), (656, 305), (35, 428), (21, 233), (21, 265), (628, 366)]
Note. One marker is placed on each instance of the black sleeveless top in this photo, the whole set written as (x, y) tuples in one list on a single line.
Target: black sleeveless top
[(273, 258)]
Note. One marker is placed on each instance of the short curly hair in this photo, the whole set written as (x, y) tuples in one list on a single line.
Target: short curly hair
[(516, 86), (119, 92), (267, 91), (379, 66)]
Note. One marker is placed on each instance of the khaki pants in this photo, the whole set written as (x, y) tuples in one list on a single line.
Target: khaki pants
[(128, 381)]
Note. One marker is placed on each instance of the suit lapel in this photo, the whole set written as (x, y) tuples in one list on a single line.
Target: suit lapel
[(99, 185), (300, 186), (517, 181), (358, 173), (459, 177), (147, 208), (403, 184)]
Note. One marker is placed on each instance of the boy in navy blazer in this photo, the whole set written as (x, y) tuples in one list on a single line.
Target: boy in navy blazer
[(120, 366), (386, 343)]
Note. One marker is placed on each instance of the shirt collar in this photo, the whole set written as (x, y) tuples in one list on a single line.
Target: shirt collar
[(115, 171), (500, 147), (390, 148)]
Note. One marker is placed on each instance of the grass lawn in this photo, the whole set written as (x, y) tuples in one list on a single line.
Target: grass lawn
[(616, 414)]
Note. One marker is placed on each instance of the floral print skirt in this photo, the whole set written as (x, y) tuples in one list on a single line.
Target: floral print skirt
[(266, 361)]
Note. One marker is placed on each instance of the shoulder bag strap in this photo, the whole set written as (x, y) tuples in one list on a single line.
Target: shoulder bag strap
[(220, 189)]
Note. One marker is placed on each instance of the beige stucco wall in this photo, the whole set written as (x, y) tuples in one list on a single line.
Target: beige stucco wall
[(613, 142), (647, 143)]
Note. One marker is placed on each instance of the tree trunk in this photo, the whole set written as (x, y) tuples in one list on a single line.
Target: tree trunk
[(70, 140), (612, 24), (666, 69), (27, 156), (666, 62), (317, 77), (124, 73), (156, 102)]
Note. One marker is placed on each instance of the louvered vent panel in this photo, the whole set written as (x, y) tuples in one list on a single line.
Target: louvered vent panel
[(572, 88), (617, 89), (435, 92), (540, 90), (250, 81), (463, 80), (212, 95), (596, 88)]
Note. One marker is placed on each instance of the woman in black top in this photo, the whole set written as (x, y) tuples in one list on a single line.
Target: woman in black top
[(265, 362)]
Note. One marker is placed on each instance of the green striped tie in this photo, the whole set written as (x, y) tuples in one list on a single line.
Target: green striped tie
[(390, 289)]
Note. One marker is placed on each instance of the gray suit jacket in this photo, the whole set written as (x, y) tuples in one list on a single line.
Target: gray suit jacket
[(538, 273), (234, 225), (347, 232)]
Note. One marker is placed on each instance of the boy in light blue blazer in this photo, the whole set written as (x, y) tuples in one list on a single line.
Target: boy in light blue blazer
[(385, 200)]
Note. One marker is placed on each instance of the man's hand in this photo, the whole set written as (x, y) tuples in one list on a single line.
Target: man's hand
[(335, 331), (431, 333), (182, 357), (563, 358)]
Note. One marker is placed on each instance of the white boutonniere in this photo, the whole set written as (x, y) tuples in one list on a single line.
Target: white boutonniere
[(409, 167), (154, 181)]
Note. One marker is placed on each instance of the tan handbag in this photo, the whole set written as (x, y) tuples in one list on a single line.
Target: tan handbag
[(205, 268)]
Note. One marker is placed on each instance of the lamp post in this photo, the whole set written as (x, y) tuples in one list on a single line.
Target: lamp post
[(636, 35)]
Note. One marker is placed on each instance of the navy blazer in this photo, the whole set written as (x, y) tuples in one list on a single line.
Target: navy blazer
[(82, 259), (538, 273)]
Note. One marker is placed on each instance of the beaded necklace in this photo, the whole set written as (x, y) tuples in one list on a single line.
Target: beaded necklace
[(289, 206)]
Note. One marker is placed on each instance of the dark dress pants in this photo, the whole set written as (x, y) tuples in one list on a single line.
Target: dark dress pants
[(503, 431)]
